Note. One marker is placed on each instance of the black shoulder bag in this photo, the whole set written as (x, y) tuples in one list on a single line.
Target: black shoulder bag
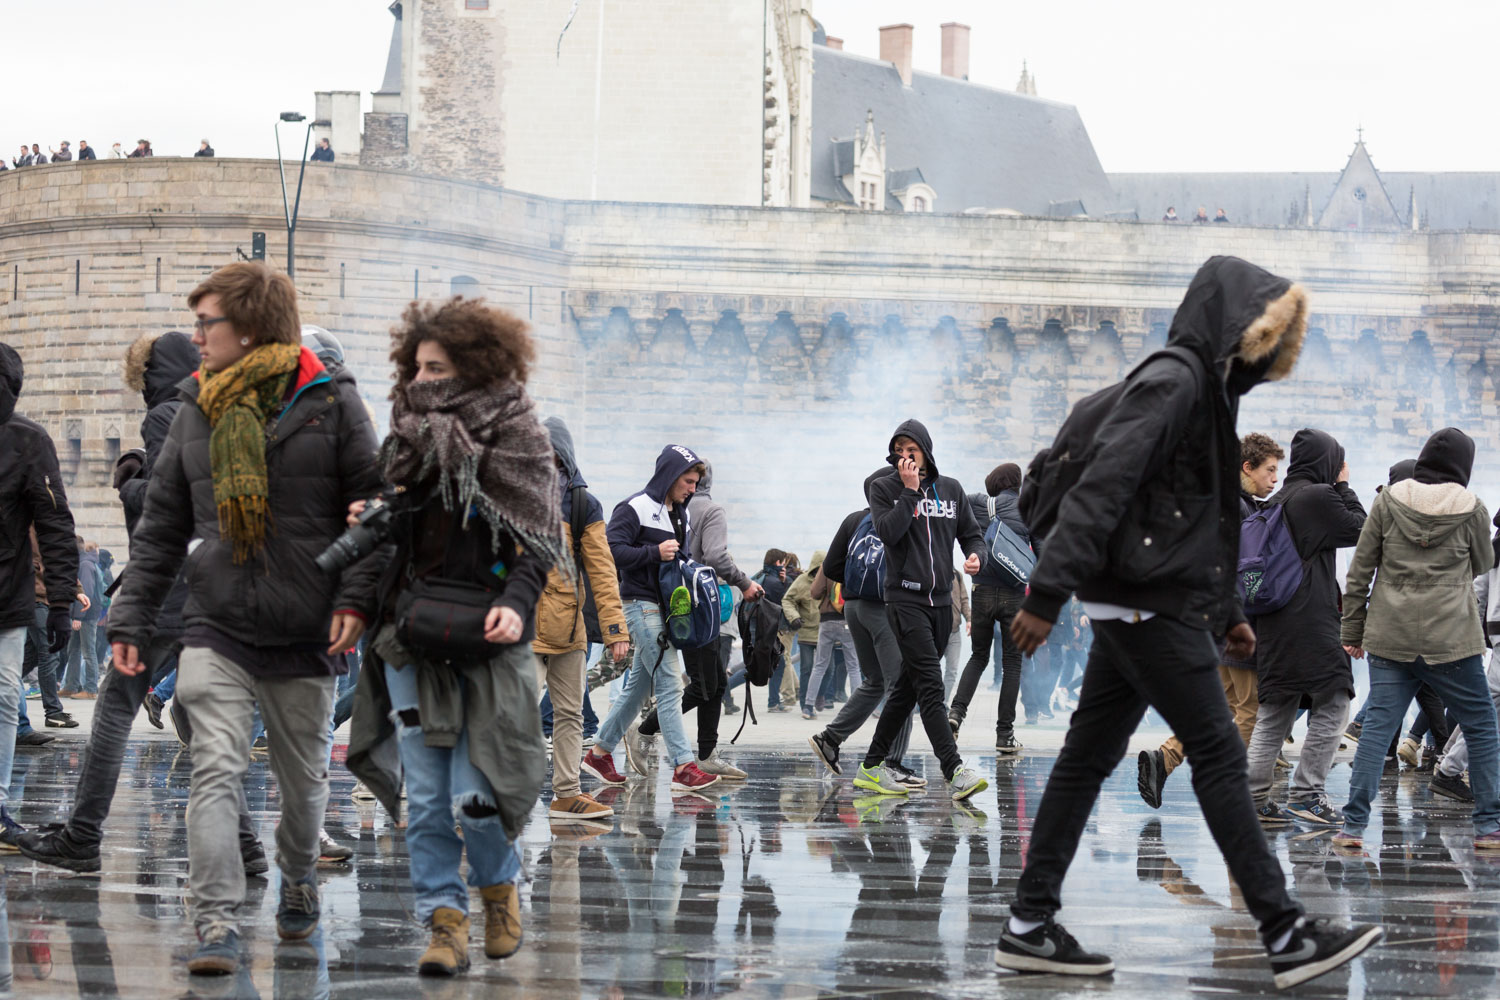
[(442, 618)]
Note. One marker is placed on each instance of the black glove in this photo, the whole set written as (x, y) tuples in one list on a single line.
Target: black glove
[(796, 624), (59, 629), (128, 466)]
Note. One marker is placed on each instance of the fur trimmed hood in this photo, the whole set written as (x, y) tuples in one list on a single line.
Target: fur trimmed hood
[(155, 363), (1245, 322)]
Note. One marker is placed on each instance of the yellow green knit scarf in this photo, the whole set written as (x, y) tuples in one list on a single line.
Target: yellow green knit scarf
[(238, 402)]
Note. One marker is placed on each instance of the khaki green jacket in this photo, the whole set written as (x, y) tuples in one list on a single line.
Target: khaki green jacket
[(798, 602), (1423, 545)]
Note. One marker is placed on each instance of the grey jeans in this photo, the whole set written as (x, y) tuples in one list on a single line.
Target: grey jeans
[(880, 668), (832, 633), (953, 659), (220, 699), (1325, 724)]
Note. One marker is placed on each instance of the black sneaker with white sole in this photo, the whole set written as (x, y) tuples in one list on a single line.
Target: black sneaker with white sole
[(1151, 776), (1320, 946), (1048, 948), (827, 751)]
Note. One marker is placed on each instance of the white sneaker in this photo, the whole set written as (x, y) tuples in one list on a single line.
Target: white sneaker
[(966, 782), (640, 750), (362, 793), (330, 850), (714, 764)]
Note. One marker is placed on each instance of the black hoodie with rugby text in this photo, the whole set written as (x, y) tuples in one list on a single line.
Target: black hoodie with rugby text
[(920, 526)]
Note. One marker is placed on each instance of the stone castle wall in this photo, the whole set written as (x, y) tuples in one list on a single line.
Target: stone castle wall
[(782, 344)]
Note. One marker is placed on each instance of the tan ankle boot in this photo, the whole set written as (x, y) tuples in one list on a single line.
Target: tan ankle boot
[(448, 953), (502, 920)]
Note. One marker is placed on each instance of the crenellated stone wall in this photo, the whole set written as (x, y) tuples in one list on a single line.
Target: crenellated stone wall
[(783, 344)]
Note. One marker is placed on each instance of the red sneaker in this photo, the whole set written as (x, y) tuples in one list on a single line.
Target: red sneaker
[(688, 778), (602, 766)]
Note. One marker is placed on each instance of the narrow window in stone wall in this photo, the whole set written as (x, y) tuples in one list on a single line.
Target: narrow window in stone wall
[(111, 456), (464, 285), (476, 4)]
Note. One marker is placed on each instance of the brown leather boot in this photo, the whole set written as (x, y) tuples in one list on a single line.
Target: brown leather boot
[(448, 953), (502, 920)]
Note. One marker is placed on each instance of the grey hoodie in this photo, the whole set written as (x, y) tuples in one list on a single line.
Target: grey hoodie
[(709, 542), (1428, 542)]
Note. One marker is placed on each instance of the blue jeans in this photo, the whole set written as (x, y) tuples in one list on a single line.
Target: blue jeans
[(439, 783), (167, 685), (1464, 689), (12, 654), (645, 677), (83, 660)]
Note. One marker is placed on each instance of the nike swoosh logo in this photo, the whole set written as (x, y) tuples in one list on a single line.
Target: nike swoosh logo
[(1047, 949), (1307, 949)]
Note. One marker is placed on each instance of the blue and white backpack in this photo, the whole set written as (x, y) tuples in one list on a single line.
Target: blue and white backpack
[(864, 568)]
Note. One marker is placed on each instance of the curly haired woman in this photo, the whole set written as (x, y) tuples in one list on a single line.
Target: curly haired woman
[(477, 514)]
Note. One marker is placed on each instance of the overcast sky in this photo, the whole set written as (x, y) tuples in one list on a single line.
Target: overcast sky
[(1164, 85)]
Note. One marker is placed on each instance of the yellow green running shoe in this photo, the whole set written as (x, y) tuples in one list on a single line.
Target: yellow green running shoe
[(875, 779)]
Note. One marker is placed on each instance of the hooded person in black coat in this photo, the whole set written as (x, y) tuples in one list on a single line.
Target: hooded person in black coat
[(1299, 649), (31, 497), (1301, 658), (1148, 537)]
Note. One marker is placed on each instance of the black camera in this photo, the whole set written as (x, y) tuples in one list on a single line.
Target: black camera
[(376, 522)]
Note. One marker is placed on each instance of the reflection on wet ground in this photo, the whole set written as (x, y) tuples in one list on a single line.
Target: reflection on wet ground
[(789, 886)]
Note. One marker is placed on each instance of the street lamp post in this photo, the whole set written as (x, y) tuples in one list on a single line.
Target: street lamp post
[(291, 212)]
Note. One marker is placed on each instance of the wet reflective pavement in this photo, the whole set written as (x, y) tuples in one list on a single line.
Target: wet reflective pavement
[(787, 886)]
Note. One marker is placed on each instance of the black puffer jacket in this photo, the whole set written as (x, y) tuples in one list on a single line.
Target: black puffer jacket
[(320, 457), (31, 494), (172, 358), (1299, 650), (1153, 521)]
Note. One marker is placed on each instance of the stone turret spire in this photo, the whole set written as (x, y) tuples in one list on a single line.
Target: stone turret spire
[(1027, 83)]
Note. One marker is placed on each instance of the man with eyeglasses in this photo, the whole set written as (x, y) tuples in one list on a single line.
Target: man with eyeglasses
[(155, 365)]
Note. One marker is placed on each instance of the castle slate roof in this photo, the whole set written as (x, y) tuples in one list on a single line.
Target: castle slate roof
[(978, 147), (1446, 200)]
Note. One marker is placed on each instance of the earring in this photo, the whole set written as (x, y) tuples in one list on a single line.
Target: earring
[(244, 341)]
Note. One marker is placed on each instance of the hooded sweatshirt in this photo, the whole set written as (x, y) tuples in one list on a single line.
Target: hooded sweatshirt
[(31, 496), (642, 521), (711, 533), (565, 608), (919, 528), (1299, 650), (1153, 521), (799, 604), (1426, 540)]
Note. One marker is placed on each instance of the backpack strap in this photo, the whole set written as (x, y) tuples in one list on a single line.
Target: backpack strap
[(578, 513)]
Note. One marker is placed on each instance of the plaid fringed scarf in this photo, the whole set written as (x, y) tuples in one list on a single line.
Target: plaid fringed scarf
[(238, 402), (489, 450)]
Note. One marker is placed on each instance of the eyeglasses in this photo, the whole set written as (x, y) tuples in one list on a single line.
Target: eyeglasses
[(202, 325)]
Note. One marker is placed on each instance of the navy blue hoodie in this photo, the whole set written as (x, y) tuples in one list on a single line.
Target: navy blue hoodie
[(642, 521), (919, 528)]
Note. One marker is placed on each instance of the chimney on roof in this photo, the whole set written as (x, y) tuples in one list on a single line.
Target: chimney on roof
[(895, 47), (956, 50), (832, 42)]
